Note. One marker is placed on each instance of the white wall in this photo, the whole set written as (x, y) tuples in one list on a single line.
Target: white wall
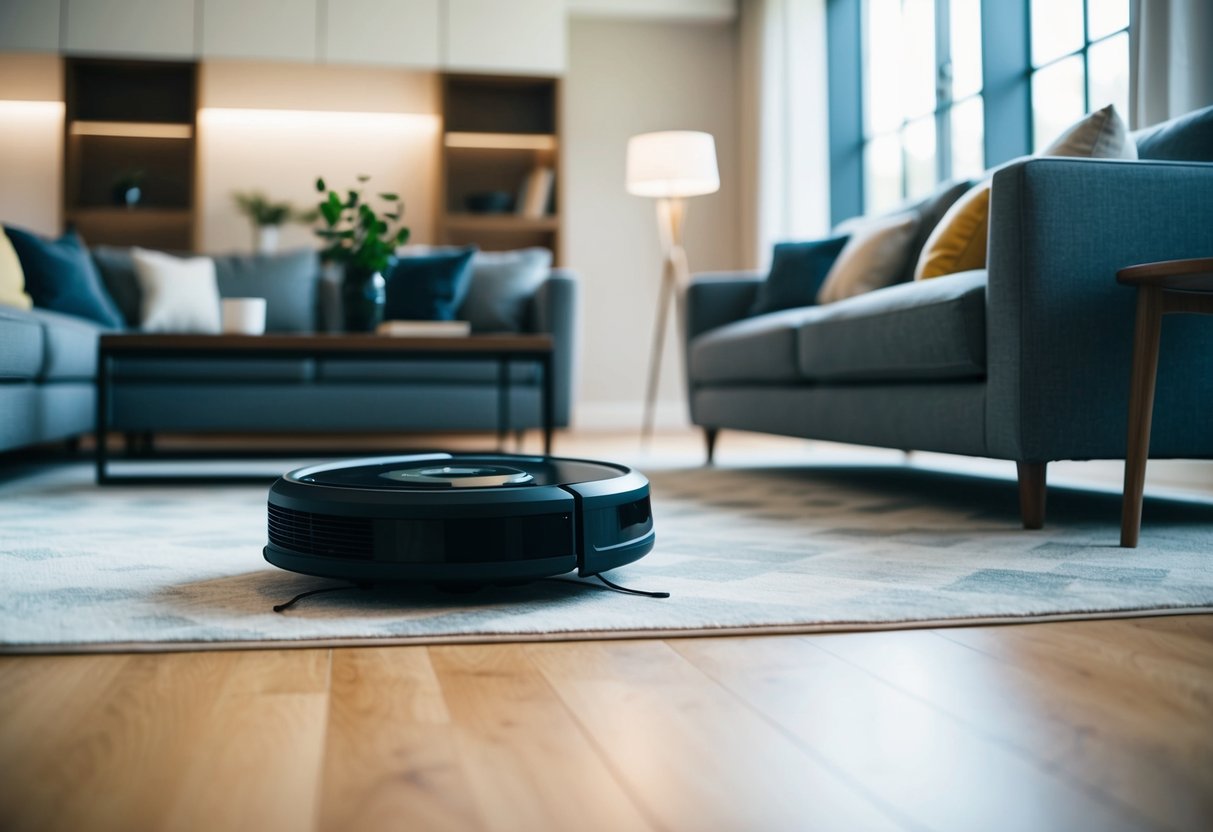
[(626, 78), (276, 127)]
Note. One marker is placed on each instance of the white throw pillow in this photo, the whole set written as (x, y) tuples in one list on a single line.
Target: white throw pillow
[(872, 259), (179, 294)]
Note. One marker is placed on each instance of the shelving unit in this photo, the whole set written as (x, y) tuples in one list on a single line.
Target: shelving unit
[(131, 122), (497, 130)]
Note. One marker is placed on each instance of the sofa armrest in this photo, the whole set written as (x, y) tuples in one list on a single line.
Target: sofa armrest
[(1059, 326), (718, 298), (553, 310)]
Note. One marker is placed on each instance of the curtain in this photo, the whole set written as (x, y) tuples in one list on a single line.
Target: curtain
[(784, 143), (1171, 59)]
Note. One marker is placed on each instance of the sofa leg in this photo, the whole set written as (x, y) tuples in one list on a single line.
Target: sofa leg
[(1032, 493), (709, 439)]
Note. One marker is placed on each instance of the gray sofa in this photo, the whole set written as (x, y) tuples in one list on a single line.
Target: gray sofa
[(1027, 361), (48, 364)]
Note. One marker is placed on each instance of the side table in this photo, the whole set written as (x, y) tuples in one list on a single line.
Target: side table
[(1167, 287)]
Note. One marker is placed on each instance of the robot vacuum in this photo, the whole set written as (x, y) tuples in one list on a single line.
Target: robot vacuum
[(458, 519)]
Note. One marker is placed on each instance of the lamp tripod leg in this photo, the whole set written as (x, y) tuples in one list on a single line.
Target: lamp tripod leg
[(663, 313)]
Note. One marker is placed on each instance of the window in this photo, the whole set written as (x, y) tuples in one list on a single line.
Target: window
[(922, 92), (1080, 62)]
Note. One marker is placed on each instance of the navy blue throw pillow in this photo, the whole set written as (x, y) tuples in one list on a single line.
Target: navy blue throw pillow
[(60, 276), (428, 287), (797, 272)]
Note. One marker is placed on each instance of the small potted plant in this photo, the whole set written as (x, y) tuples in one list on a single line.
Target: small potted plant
[(363, 241), (266, 216)]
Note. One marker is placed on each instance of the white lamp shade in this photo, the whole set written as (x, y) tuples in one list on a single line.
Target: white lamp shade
[(673, 163)]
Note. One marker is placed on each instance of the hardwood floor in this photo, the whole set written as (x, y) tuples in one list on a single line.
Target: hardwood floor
[(1100, 725)]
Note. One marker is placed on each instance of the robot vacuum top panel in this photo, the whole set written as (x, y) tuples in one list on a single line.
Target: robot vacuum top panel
[(445, 471)]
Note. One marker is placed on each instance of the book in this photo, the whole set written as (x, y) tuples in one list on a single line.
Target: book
[(536, 192), (424, 329)]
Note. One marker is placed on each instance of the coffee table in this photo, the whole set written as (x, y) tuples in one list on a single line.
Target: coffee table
[(504, 349)]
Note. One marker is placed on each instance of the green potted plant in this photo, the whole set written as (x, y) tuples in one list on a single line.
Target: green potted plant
[(266, 217), (363, 241)]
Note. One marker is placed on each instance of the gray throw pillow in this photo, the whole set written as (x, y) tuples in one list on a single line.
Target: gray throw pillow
[(502, 285), (287, 281), (117, 269)]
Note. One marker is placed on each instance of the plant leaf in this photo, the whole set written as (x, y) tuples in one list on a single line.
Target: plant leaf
[(389, 197), (319, 184)]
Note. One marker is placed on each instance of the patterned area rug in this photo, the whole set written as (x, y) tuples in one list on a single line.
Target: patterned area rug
[(760, 550)]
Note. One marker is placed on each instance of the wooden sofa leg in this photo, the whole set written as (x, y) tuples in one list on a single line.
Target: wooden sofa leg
[(709, 438), (1032, 492)]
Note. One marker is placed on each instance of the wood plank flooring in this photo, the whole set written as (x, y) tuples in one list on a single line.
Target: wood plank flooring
[(1101, 725)]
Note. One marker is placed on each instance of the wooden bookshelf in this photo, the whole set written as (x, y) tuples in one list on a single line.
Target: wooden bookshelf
[(128, 121), (496, 131)]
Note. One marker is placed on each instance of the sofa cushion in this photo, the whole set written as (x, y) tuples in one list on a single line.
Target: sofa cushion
[(502, 284), (930, 212), (70, 345), (60, 275), (12, 278), (22, 348), (175, 370), (287, 281), (872, 258), (1188, 138), (117, 270), (761, 349), (797, 272), (443, 372), (180, 294), (428, 287), (933, 329), (1098, 135), (958, 243)]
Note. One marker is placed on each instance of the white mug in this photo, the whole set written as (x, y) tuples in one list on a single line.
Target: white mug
[(244, 316)]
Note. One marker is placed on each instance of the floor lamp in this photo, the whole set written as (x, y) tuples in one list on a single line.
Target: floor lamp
[(670, 166)]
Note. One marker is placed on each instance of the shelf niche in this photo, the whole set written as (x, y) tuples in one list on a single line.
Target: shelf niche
[(131, 120), (497, 130)]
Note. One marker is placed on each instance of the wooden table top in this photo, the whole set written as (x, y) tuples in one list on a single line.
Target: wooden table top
[(324, 342), (1192, 275)]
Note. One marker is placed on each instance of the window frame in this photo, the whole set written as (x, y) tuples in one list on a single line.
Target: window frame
[(1083, 50), (1006, 68)]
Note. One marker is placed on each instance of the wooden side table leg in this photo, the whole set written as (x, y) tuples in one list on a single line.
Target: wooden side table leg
[(1141, 409)]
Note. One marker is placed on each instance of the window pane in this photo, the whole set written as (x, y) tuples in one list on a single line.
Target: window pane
[(968, 139), (919, 142), (882, 174), (1056, 29), (1106, 16), (966, 48), (1057, 99), (1108, 64), (917, 71), (882, 73)]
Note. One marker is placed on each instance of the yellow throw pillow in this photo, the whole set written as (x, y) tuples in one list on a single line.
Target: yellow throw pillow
[(958, 242), (12, 278)]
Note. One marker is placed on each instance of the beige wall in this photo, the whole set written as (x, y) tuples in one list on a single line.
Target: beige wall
[(626, 78)]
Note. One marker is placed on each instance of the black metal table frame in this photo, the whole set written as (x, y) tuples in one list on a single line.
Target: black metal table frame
[(503, 357)]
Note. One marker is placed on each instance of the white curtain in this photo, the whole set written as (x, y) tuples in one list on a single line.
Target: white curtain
[(1171, 59), (785, 165)]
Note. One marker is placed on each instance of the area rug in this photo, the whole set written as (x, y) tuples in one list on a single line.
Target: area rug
[(740, 550)]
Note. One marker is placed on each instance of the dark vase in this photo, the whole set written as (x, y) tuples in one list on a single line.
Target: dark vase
[(362, 297)]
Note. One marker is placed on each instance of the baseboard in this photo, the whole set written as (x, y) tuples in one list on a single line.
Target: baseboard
[(628, 416)]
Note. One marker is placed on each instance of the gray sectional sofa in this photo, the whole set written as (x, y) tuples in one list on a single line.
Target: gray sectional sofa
[(1027, 360), (48, 364)]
